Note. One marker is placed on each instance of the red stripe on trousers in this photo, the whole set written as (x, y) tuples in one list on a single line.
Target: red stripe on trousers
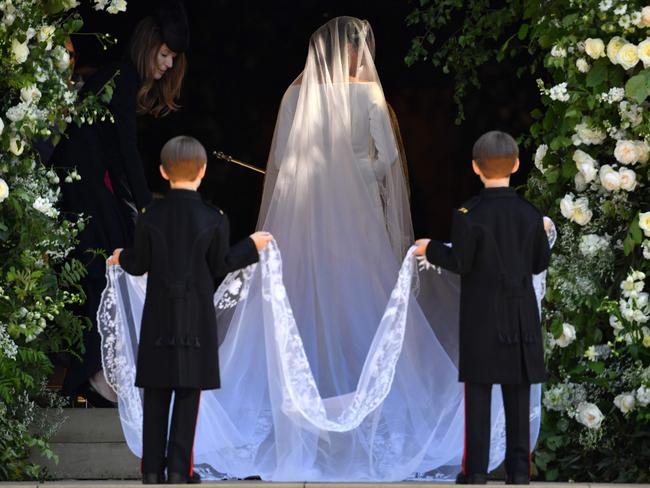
[(194, 439), (464, 465)]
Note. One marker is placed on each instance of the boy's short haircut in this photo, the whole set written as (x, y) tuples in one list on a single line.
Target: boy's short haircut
[(182, 157), (495, 153)]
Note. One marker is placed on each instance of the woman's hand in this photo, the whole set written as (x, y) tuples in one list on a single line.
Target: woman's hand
[(114, 260), (421, 249), (261, 239)]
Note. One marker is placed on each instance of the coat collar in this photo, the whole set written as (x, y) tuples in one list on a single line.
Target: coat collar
[(180, 193), (502, 191)]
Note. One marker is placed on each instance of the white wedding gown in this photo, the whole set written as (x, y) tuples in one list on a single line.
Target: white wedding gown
[(330, 369)]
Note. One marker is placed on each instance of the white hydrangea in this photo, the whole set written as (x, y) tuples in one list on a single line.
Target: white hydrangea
[(631, 114), (646, 249), (8, 347), (643, 396), (582, 65), (614, 95), (605, 5), (592, 244), (45, 206), (586, 134), (559, 92), (558, 52)]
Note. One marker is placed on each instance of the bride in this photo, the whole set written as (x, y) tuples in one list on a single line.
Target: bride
[(329, 369)]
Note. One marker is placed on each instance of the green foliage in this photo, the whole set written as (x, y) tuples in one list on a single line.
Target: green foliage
[(39, 281), (592, 175)]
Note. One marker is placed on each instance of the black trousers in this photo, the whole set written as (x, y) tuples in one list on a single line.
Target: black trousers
[(516, 402), (178, 448)]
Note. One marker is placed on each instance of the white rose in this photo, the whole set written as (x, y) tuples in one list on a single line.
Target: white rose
[(626, 152), (19, 51), (645, 17), (582, 65), (589, 415), (644, 52), (610, 179), (595, 48), (566, 207), (16, 146), (642, 151), (580, 182), (625, 402), (29, 94), (628, 179), (613, 47), (4, 190), (581, 212), (644, 223), (586, 165), (628, 56), (568, 335), (45, 34)]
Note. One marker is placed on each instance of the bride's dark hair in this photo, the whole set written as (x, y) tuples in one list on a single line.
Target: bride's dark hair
[(155, 97)]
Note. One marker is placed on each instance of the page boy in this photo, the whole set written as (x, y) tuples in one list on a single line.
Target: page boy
[(183, 243), (498, 243)]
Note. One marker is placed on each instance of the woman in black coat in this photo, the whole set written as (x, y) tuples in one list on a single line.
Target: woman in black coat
[(113, 187)]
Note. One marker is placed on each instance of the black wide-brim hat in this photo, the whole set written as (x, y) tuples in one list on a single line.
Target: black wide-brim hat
[(174, 27)]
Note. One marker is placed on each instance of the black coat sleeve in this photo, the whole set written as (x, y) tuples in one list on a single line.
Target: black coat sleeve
[(541, 248), (123, 108), (224, 259), (136, 260), (459, 257)]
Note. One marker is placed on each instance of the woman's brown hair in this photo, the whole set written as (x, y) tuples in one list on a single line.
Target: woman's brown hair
[(156, 97)]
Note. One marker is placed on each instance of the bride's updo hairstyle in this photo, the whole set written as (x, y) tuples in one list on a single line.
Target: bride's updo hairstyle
[(168, 24), (182, 158), (495, 153)]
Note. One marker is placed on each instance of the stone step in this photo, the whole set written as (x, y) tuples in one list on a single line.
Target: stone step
[(261, 484), (90, 446)]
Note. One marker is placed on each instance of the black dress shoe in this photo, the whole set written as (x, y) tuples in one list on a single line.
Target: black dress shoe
[(471, 479), (94, 399), (518, 479), (153, 479), (183, 479)]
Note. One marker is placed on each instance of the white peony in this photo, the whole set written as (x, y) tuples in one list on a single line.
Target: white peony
[(610, 179), (29, 94), (589, 415), (566, 206), (626, 152), (19, 51), (4, 190), (586, 134), (643, 396), (581, 212), (45, 34), (16, 146), (595, 48), (568, 335), (625, 402), (582, 65), (627, 179), (644, 223), (613, 47), (628, 56)]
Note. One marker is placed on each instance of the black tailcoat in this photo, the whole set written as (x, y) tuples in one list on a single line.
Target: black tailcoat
[(498, 243), (183, 243)]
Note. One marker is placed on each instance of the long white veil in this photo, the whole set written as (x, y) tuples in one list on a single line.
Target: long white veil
[(330, 369)]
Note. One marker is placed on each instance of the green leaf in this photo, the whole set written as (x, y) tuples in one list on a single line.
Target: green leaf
[(597, 367), (637, 87), (523, 31), (552, 175), (597, 74)]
